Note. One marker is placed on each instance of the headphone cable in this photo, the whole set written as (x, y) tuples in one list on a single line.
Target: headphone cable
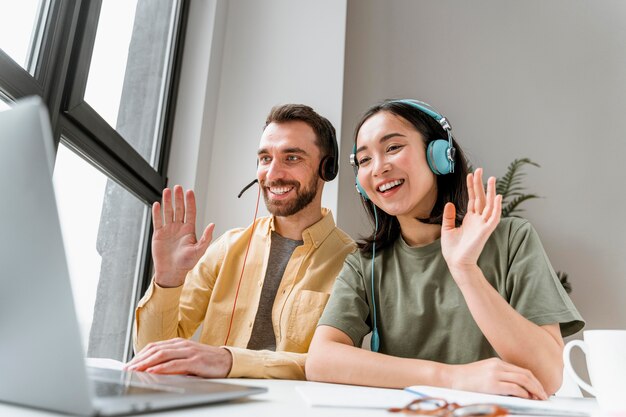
[(375, 341), (243, 267)]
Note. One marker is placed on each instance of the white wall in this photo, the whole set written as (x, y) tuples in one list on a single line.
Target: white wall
[(192, 136), (275, 52), (539, 79)]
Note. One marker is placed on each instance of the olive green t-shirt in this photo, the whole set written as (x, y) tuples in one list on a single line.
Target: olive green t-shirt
[(420, 311)]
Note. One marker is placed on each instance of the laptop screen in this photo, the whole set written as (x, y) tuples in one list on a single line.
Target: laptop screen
[(36, 303)]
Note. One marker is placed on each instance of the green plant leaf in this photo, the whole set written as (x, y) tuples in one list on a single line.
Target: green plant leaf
[(567, 286), (510, 184), (510, 208)]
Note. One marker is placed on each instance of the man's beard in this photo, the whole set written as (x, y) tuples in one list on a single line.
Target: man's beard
[(290, 207)]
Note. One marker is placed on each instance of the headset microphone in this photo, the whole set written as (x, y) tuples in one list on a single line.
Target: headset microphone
[(246, 188)]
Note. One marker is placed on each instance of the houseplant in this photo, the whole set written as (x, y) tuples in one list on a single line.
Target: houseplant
[(513, 195)]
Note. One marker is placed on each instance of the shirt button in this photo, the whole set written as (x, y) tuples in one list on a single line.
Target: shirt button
[(250, 324), (284, 291), (260, 283)]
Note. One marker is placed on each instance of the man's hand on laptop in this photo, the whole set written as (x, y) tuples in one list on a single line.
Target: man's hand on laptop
[(175, 249), (182, 356)]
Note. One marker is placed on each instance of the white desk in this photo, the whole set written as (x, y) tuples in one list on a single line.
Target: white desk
[(281, 400)]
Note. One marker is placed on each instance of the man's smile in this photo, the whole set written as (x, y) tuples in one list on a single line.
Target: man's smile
[(280, 190)]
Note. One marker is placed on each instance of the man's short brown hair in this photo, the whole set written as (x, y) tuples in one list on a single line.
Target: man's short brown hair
[(324, 130)]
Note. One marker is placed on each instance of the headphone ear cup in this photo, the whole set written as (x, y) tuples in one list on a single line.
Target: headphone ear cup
[(360, 189), (328, 168), (437, 157)]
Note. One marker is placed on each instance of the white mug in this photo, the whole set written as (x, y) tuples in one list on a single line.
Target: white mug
[(605, 351)]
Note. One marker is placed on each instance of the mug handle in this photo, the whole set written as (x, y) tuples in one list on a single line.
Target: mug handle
[(568, 365)]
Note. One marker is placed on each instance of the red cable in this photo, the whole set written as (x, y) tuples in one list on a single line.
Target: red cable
[(243, 267)]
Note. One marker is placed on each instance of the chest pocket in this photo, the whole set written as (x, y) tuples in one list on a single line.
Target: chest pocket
[(305, 313)]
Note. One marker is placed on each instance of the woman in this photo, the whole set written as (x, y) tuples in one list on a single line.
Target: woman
[(454, 296)]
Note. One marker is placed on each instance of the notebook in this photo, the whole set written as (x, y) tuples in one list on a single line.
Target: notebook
[(41, 357)]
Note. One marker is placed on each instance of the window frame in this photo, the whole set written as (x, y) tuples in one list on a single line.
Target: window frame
[(59, 78)]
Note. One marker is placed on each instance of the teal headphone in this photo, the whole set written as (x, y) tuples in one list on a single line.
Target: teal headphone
[(439, 152), (440, 155)]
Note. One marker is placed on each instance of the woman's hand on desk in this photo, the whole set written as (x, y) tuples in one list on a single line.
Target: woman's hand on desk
[(182, 356), (494, 376), (175, 249)]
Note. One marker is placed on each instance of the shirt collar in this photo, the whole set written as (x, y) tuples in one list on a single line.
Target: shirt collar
[(317, 232)]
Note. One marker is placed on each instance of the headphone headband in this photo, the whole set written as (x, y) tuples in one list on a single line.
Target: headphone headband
[(424, 107), (429, 110)]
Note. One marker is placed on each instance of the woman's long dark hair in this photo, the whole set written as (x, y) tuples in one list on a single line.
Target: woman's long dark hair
[(450, 188)]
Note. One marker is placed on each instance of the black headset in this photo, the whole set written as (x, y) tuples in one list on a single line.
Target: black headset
[(329, 165)]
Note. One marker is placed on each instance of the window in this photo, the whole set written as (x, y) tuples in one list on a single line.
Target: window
[(21, 30), (107, 72), (104, 227), (108, 64), (128, 74)]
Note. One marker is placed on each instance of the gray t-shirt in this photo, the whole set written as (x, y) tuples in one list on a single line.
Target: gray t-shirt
[(421, 313), (281, 249)]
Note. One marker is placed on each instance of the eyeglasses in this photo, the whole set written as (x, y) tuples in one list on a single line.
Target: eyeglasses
[(437, 407)]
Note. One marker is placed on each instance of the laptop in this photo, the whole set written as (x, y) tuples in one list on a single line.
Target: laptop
[(41, 356)]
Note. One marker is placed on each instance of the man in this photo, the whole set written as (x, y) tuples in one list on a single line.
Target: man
[(259, 291)]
